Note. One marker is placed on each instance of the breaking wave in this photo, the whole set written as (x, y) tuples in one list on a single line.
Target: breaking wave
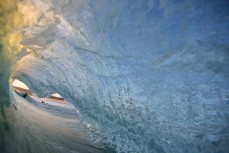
[(146, 76)]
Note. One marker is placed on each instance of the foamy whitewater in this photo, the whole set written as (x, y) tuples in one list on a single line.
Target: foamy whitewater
[(146, 76)]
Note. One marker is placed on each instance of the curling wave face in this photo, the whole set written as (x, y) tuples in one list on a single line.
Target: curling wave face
[(146, 76)]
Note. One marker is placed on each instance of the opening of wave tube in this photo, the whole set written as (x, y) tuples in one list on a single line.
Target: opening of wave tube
[(19, 84), (23, 89)]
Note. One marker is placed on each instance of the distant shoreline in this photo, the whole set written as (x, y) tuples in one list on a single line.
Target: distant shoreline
[(29, 93)]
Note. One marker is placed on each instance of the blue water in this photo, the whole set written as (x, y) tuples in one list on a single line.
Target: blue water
[(146, 76)]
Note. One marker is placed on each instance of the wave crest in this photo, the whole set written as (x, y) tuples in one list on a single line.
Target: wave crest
[(131, 69)]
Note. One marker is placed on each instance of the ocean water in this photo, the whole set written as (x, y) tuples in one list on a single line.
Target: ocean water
[(50, 126), (145, 76)]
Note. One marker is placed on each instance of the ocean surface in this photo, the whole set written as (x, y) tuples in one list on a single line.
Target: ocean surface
[(50, 126), (143, 76)]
